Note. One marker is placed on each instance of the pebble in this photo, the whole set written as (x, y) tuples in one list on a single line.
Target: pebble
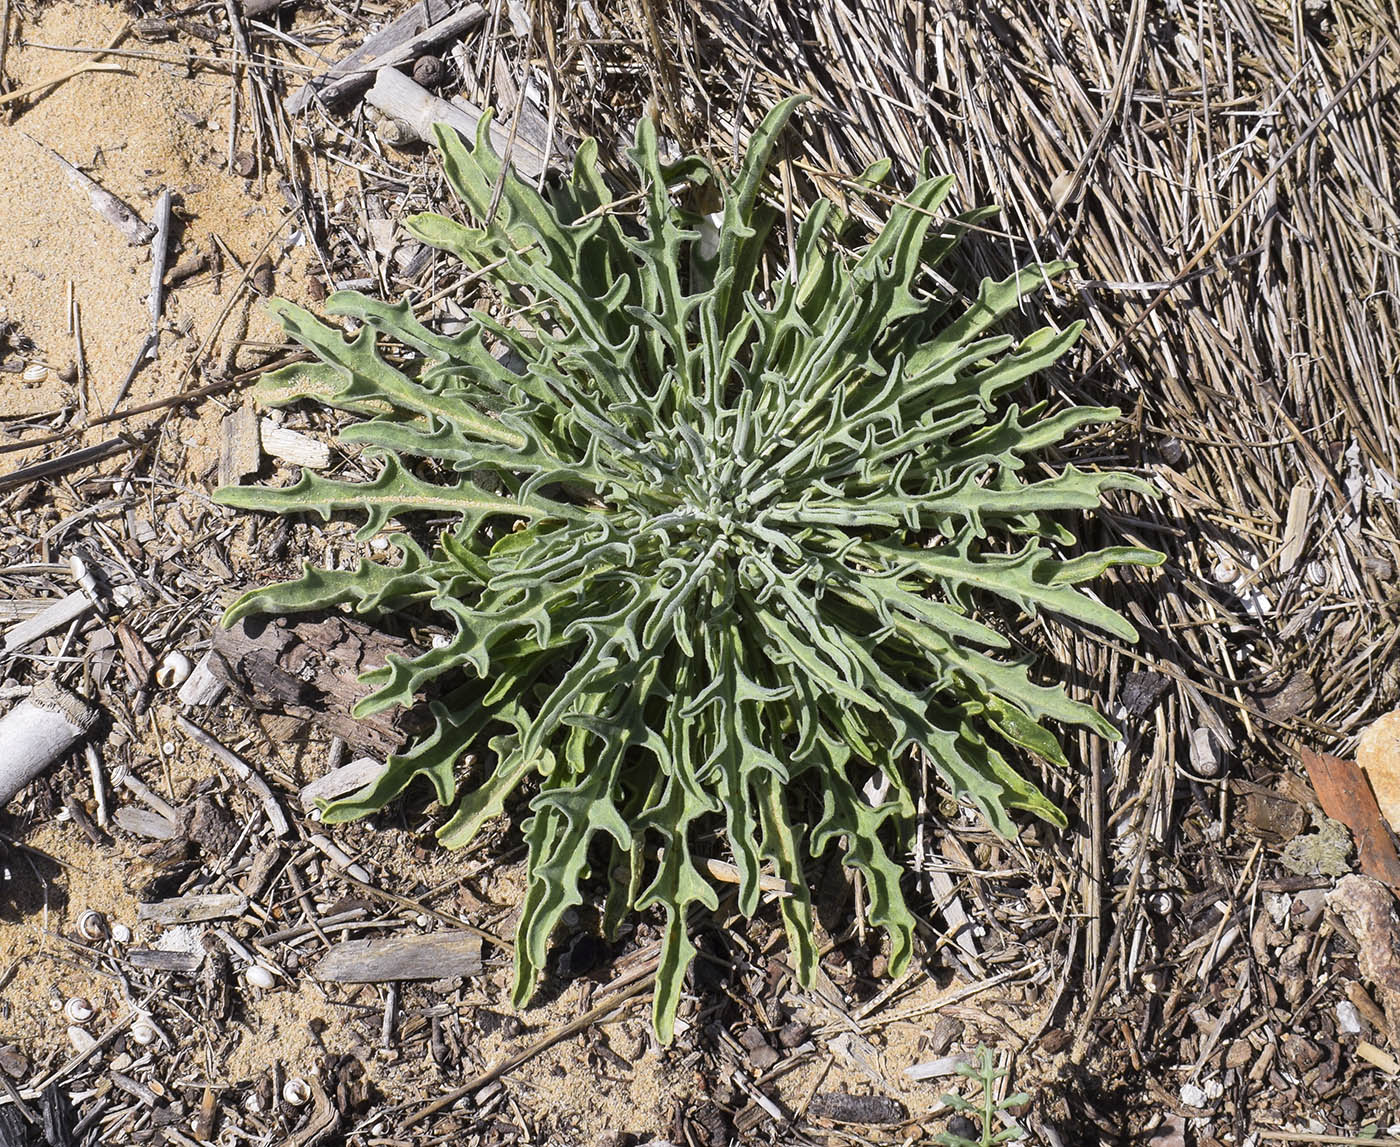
[(83, 1041)]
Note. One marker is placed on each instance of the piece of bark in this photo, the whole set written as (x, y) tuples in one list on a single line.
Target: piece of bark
[(308, 670), (159, 960), (142, 822), (194, 907), (425, 25), (843, 1107), (1367, 907), (240, 446), (436, 956), (1345, 795), (38, 732), (418, 109)]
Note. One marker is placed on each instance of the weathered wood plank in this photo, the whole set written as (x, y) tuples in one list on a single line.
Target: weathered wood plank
[(435, 956)]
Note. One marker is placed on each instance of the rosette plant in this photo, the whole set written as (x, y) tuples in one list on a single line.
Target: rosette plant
[(720, 514)]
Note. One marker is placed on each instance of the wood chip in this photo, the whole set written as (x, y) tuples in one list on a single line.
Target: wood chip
[(293, 447), (140, 822), (195, 907), (201, 687), (1295, 532), (435, 956), (339, 782), (240, 446), (161, 960)]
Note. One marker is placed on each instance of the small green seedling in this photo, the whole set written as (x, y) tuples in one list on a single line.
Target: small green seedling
[(984, 1112)]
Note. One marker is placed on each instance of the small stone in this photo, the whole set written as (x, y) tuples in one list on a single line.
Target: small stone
[(1193, 1096), (793, 1034), (13, 1062), (263, 281), (751, 1037), (763, 1058)]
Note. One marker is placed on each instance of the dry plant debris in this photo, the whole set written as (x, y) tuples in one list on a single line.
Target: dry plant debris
[(1222, 174)]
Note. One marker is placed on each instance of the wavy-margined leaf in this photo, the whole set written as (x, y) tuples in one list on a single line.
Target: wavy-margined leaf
[(726, 526)]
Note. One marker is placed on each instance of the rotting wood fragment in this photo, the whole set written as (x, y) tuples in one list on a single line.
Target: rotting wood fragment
[(842, 1107), (310, 670), (429, 957), (240, 446), (193, 908), (161, 960)]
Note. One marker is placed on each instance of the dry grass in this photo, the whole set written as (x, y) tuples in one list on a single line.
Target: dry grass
[(1224, 176)]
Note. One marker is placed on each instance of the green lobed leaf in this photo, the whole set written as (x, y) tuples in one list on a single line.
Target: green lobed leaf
[(725, 530)]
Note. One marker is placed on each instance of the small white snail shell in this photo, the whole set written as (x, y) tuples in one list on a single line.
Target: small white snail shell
[(259, 976), (173, 670), (121, 933), (92, 925), (1226, 572), (78, 1010), (35, 372), (296, 1091), (142, 1032)]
